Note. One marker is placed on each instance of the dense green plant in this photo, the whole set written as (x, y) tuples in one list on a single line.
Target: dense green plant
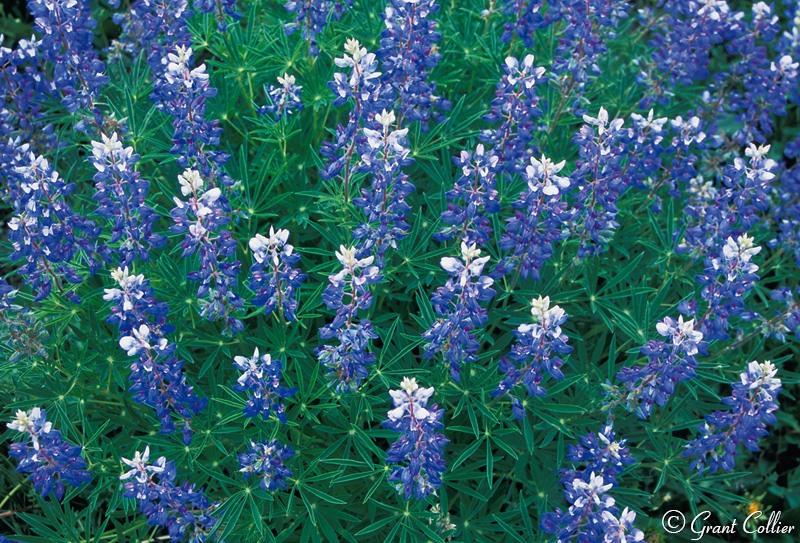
[(620, 286)]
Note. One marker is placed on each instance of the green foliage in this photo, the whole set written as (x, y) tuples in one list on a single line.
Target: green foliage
[(501, 472)]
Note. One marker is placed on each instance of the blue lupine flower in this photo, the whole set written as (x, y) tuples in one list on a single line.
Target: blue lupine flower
[(532, 354), (180, 508), (753, 88), (272, 276), (526, 19), (593, 515), (586, 518), (753, 407), (621, 530), (223, 9), (311, 18), (647, 158), (24, 129), (683, 40), (383, 154), (157, 375), (120, 194), (408, 53), (419, 443), (789, 41), (656, 161), (516, 109), (600, 180), (135, 304), (589, 25), (284, 100), (348, 293), (151, 27), (180, 89), (45, 455), (769, 84), (744, 194), (476, 187), (66, 29), (201, 216), (367, 144), (266, 461), (363, 85), (537, 222), (21, 331), (787, 318), (785, 208), (47, 233), (601, 452), (261, 380), (728, 276), (460, 314), (669, 363)]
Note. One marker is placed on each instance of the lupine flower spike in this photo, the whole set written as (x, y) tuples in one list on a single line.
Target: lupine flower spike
[(460, 314), (261, 381), (266, 461), (753, 408), (532, 356), (157, 375), (284, 100), (180, 508), (273, 277), (347, 294), (419, 444), (50, 460)]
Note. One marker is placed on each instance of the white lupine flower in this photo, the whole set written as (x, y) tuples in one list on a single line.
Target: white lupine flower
[(649, 121), (410, 394), (395, 139), (756, 152), (191, 182), (743, 248), (205, 202), (703, 189), (22, 420), (409, 385), (139, 339), (277, 240), (119, 274), (353, 53), (386, 119), (110, 145), (252, 366), (546, 315), (761, 375), (138, 463), (287, 80), (761, 9), (140, 468), (181, 56), (197, 230), (468, 252), (596, 486), (347, 256), (681, 332), (546, 170)]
